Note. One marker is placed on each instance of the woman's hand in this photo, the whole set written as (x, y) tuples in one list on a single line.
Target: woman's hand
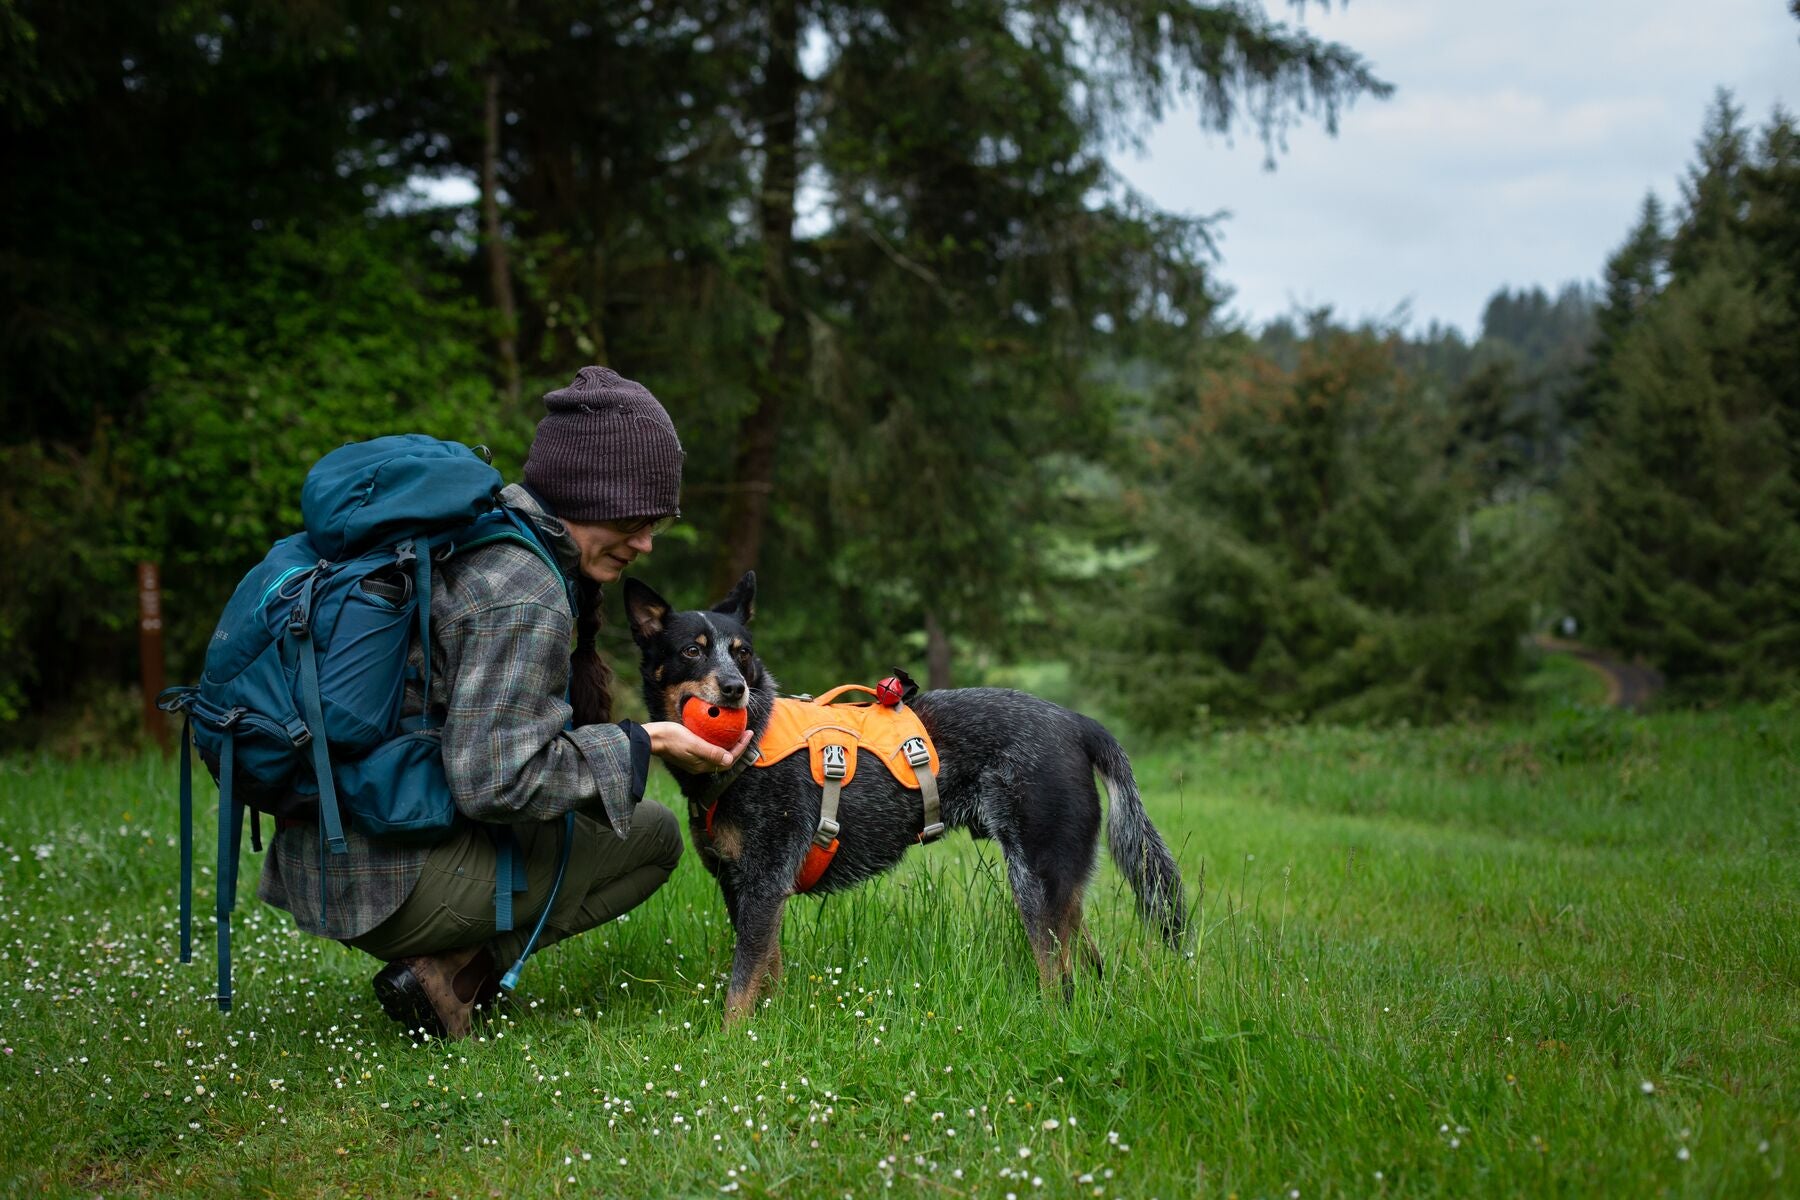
[(686, 750)]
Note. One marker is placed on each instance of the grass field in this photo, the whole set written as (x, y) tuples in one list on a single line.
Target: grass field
[(1550, 957)]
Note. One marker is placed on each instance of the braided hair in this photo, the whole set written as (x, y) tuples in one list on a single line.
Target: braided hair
[(590, 679)]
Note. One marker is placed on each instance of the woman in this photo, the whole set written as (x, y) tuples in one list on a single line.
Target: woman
[(603, 477)]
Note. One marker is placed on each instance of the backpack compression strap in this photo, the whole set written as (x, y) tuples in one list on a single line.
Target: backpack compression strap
[(331, 825)]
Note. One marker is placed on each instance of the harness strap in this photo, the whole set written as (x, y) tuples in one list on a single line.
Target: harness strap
[(836, 760), (919, 757), (724, 779), (825, 839), (225, 887)]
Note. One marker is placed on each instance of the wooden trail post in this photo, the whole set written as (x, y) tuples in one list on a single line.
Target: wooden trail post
[(150, 649)]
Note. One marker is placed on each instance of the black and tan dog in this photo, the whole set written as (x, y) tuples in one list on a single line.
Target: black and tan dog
[(1014, 768)]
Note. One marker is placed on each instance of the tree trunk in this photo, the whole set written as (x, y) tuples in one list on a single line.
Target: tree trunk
[(783, 367), (499, 268), (937, 654)]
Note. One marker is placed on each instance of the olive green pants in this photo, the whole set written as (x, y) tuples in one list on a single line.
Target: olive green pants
[(452, 905)]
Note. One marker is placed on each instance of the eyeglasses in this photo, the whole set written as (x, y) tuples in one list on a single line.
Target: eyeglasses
[(634, 526)]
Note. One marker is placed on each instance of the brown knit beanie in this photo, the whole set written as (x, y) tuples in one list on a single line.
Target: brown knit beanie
[(606, 450)]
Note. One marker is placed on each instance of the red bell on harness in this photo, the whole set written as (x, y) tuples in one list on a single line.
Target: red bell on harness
[(719, 725), (889, 692)]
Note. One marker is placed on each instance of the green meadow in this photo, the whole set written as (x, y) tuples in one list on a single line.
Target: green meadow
[(1549, 956)]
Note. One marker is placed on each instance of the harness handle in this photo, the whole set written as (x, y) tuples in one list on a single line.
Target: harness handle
[(835, 692)]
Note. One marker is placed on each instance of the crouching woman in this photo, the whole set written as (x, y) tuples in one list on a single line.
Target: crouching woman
[(603, 477)]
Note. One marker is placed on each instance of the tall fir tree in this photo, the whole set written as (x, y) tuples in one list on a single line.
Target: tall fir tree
[(1682, 525)]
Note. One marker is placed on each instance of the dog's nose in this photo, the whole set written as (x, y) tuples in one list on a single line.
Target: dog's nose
[(732, 693)]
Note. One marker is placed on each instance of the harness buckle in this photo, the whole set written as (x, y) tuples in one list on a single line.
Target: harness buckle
[(917, 754), (932, 832), (836, 762), (826, 833)]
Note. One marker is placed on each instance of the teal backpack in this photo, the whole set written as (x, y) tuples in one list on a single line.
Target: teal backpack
[(297, 713)]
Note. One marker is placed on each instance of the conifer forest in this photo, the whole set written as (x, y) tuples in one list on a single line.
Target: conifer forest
[(965, 400)]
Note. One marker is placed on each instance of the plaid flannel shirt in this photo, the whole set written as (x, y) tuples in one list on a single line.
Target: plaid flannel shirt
[(501, 633)]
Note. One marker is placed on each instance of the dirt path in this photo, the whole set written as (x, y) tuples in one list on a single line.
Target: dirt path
[(1628, 685)]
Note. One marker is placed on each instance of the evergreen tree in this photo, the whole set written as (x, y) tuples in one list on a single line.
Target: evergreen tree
[(1682, 530), (1684, 518), (1714, 193), (1311, 551)]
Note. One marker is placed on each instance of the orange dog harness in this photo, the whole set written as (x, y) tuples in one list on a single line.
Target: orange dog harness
[(835, 737)]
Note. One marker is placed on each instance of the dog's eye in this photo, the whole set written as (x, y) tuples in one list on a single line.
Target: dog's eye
[(743, 653), (692, 651)]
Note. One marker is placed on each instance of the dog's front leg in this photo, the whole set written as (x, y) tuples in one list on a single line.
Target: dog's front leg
[(758, 953)]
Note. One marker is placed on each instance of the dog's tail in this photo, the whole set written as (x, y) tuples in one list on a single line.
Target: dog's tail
[(1135, 845)]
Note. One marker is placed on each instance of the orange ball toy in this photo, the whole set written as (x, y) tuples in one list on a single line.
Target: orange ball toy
[(719, 725)]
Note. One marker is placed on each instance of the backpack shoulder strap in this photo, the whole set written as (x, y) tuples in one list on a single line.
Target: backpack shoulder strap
[(516, 529)]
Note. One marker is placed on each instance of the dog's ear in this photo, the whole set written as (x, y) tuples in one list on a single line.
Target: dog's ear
[(646, 610), (741, 603)]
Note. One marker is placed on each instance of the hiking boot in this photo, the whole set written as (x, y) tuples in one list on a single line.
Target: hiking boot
[(436, 994)]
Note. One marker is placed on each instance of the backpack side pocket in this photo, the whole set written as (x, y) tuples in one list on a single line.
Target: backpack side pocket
[(398, 790)]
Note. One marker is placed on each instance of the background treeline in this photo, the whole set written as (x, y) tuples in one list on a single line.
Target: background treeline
[(962, 398)]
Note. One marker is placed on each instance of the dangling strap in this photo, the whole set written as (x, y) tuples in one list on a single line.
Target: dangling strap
[(919, 756), (509, 877), (510, 980), (226, 879), (187, 838)]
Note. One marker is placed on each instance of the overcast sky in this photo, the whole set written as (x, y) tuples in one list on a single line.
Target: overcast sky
[(1516, 149)]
